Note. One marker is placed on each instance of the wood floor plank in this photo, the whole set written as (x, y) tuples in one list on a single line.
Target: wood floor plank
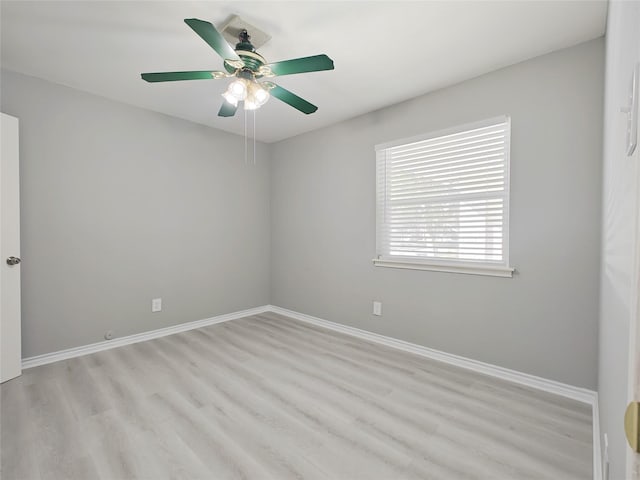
[(269, 397), (486, 391), (17, 434), (58, 444), (463, 397), (389, 416), (317, 416)]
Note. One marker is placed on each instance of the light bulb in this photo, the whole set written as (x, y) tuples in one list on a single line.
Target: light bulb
[(257, 94), (260, 95), (230, 98), (238, 89)]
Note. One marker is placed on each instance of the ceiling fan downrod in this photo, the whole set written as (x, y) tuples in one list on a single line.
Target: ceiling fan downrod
[(244, 43)]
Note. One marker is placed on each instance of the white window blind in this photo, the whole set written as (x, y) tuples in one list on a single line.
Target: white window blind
[(443, 200)]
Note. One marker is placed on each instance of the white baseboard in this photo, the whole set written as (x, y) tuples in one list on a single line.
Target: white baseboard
[(138, 337), (551, 386)]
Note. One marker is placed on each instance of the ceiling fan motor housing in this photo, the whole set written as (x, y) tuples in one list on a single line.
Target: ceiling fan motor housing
[(247, 53)]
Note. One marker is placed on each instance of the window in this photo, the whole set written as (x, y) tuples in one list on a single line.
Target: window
[(443, 200)]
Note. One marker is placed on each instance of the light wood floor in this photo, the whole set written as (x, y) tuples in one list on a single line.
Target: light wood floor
[(267, 397)]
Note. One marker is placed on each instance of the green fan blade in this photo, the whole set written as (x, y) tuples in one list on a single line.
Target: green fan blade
[(301, 65), (292, 99), (227, 109), (173, 76), (214, 38)]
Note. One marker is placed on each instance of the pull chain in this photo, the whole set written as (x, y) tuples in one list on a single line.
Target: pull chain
[(246, 139), (246, 159)]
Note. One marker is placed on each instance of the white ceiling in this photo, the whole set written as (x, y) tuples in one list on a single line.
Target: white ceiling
[(384, 52)]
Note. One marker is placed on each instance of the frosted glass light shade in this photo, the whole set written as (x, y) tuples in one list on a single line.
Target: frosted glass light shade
[(238, 89), (230, 98), (259, 94)]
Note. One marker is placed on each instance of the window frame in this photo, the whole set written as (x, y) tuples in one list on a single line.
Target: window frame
[(498, 269)]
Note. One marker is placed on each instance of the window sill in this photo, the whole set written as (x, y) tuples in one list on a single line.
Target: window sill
[(496, 271)]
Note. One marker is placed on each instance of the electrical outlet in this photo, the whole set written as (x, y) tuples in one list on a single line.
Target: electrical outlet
[(156, 305), (377, 308)]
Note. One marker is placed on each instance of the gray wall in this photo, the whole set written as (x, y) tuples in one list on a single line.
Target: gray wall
[(620, 235), (544, 320), (121, 205)]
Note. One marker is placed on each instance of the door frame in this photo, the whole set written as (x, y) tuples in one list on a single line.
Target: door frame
[(633, 367)]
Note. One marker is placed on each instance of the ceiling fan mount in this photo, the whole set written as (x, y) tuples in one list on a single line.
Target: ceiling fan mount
[(247, 66)]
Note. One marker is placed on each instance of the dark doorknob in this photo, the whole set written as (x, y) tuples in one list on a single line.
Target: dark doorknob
[(13, 261)]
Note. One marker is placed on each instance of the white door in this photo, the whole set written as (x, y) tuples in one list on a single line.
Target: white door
[(10, 325)]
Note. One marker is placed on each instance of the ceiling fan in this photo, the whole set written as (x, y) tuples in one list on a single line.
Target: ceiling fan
[(247, 67)]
